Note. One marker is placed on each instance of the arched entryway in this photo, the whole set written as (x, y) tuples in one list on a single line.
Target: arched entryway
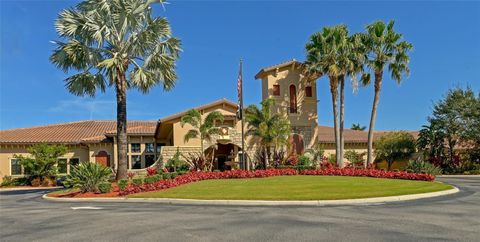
[(296, 142), (103, 158), (225, 156)]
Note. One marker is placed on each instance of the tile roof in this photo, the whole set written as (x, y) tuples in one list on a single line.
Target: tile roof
[(91, 131), (205, 106), (326, 135), (273, 67)]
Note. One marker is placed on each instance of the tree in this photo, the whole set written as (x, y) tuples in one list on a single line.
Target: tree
[(455, 121), (270, 129), (358, 126), (383, 48), (42, 161), (431, 140), (204, 129), (334, 53), (115, 44), (394, 146)]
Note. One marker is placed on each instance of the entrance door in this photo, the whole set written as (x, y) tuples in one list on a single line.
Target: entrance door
[(221, 162), (103, 158)]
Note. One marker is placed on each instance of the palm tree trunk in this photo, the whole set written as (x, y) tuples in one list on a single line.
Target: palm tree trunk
[(342, 112), (121, 88), (376, 99), (265, 162), (334, 93)]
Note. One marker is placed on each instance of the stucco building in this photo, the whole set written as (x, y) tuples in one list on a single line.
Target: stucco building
[(157, 141)]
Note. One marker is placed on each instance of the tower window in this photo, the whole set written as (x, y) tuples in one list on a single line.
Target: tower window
[(308, 91), (276, 90), (293, 99)]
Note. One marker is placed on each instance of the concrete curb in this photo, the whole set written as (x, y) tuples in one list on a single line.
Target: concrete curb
[(259, 202), (27, 188), (458, 176)]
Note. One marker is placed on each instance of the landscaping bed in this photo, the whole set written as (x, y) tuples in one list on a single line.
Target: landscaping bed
[(297, 187), (156, 182)]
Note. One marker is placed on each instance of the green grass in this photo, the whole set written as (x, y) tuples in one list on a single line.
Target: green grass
[(296, 188)]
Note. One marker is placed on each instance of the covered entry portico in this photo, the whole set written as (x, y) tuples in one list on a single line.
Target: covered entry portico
[(225, 156)]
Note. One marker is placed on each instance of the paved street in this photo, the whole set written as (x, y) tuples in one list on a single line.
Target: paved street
[(25, 216)]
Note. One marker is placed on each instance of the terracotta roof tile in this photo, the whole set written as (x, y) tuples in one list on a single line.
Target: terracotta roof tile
[(326, 135), (72, 133)]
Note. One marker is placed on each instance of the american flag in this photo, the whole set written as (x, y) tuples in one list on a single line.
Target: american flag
[(239, 84), (240, 90)]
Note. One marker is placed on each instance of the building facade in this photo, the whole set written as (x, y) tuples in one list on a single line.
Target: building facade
[(154, 142)]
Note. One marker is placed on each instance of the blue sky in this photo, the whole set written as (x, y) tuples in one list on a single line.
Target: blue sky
[(216, 34)]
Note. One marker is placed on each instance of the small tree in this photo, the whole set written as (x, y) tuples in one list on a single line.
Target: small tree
[(42, 161), (355, 158), (394, 146), (176, 163)]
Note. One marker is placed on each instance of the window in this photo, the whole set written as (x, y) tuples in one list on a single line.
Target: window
[(74, 162), (16, 168), (276, 90), (62, 166), (149, 160), (149, 148), (159, 147), (308, 91), (135, 148), (136, 162), (293, 99)]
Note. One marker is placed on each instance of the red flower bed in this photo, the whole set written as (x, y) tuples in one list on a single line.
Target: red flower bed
[(330, 171), (200, 176), (369, 173)]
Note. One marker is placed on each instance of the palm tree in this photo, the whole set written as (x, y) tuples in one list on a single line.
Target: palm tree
[(204, 129), (334, 53), (358, 126), (115, 44), (384, 47), (270, 129)]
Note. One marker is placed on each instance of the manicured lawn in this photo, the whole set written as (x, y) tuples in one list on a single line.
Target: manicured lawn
[(296, 188)]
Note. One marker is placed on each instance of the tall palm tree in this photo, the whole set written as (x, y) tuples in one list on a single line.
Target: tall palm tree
[(115, 44), (269, 128), (384, 48), (358, 126), (204, 129), (334, 53)]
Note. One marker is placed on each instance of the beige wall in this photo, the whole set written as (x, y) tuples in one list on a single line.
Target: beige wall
[(7, 153), (305, 121)]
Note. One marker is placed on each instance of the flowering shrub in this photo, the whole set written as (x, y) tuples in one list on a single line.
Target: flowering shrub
[(199, 176), (369, 173), (151, 171), (327, 170)]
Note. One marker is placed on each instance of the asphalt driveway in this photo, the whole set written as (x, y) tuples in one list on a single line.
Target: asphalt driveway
[(25, 216)]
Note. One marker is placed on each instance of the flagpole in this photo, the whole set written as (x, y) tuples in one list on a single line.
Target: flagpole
[(244, 160)]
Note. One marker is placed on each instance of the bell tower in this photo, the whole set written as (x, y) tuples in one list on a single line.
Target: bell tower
[(294, 96)]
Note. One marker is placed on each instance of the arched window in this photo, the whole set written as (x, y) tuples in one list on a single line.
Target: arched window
[(293, 99)]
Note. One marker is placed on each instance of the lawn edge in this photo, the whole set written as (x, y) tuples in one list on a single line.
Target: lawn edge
[(178, 201)]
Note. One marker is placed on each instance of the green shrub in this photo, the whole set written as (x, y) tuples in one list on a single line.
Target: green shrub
[(304, 161), (182, 173), (421, 166), (105, 187), (166, 176), (332, 159), (137, 181), (150, 179), (88, 176), (8, 181), (122, 184), (173, 175), (355, 158), (157, 177)]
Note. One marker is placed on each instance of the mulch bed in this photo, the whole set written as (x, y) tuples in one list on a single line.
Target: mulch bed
[(78, 194)]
